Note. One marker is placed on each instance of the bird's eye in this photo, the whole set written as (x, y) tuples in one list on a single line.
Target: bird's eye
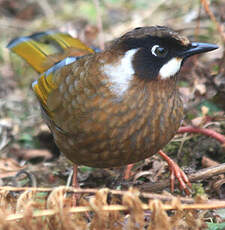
[(159, 51)]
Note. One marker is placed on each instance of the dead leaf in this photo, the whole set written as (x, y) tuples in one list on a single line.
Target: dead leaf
[(28, 154), (9, 167), (198, 121), (201, 88)]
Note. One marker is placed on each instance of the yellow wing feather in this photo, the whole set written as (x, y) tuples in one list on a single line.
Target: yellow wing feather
[(37, 48), (47, 52), (44, 85)]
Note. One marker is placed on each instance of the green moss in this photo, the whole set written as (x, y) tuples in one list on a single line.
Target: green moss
[(198, 190)]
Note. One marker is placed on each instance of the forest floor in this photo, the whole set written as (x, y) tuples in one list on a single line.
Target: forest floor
[(29, 156)]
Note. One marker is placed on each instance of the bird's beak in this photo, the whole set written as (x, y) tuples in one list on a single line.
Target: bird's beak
[(197, 48)]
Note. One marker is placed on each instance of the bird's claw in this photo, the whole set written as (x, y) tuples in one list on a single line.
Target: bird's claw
[(177, 172)]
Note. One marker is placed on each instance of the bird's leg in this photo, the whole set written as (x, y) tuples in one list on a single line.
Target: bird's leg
[(74, 182), (177, 172), (127, 173), (75, 185)]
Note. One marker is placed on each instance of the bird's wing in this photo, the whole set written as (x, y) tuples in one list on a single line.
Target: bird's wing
[(48, 52)]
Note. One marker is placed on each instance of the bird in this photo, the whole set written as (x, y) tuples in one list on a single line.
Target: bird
[(113, 107)]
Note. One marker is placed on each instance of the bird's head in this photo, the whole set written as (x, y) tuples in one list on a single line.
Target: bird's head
[(157, 52)]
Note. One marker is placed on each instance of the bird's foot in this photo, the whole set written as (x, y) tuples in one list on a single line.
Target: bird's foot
[(127, 172), (177, 172)]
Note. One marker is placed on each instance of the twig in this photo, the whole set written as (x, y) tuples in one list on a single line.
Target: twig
[(93, 191), (213, 18), (4, 139), (200, 175), (207, 162), (29, 175), (50, 212), (220, 30), (179, 152), (207, 172), (207, 132)]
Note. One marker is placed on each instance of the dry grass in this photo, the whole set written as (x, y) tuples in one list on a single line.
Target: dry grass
[(99, 209)]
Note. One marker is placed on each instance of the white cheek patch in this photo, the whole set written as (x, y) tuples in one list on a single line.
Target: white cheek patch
[(170, 68), (121, 73)]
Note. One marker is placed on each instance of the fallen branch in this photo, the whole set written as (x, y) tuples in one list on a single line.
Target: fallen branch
[(200, 175), (208, 132)]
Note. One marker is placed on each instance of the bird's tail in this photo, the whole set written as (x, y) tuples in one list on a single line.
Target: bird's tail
[(45, 49)]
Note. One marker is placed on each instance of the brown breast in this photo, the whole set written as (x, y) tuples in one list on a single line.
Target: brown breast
[(100, 129)]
